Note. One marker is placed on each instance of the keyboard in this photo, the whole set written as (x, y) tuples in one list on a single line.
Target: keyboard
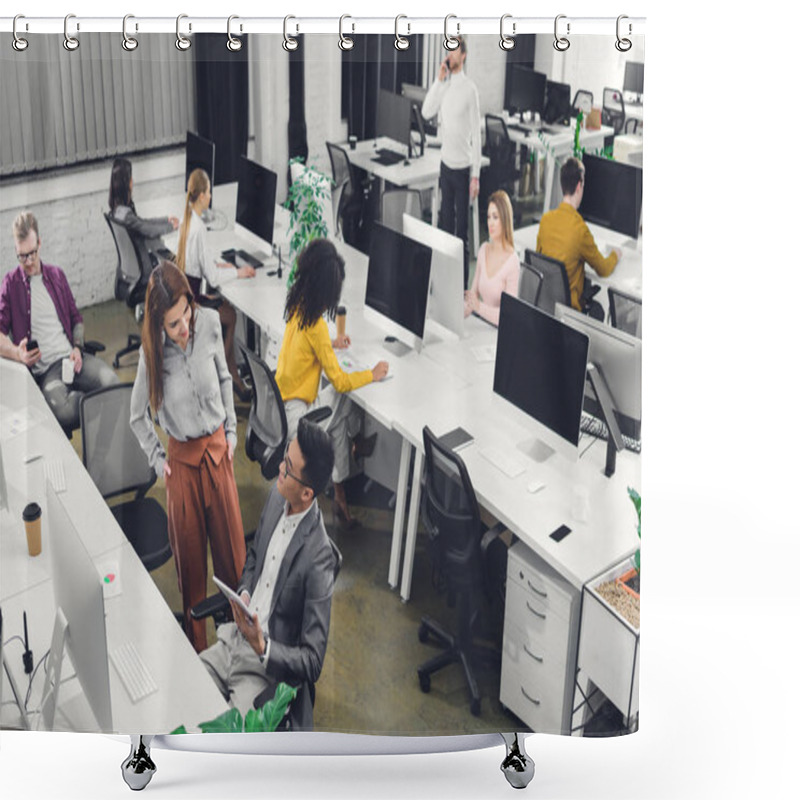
[(388, 157), (54, 472), (518, 128), (508, 462), (135, 676), (596, 427)]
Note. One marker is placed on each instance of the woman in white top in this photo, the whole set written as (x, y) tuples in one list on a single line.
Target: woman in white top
[(197, 261), (497, 270)]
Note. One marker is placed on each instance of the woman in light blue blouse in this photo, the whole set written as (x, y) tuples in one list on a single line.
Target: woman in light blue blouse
[(183, 380)]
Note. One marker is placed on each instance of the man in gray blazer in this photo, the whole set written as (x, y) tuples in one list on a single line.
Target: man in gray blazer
[(288, 583)]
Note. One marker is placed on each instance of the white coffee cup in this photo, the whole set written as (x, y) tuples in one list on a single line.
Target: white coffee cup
[(67, 370)]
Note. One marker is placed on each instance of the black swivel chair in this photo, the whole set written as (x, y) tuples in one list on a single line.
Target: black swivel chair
[(502, 172), (459, 544), (134, 265), (613, 110), (348, 197), (530, 284), (555, 284), (117, 464), (584, 100), (396, 202), (625, 312)]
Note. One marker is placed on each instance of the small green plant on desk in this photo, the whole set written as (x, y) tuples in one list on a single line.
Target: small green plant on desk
[(258, 720), (637, 504)]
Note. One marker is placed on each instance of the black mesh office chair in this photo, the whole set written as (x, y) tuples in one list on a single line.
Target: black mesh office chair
[(347, 195), (625, 312), (396, 202), (502, 172), (530, 284), (134, 265), (613, 109), (458, 544), (584, 100), (555, 284), (267, 429), (117, 464)]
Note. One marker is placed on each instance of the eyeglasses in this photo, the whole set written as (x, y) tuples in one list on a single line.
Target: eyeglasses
[(287, 466), (23, 257)]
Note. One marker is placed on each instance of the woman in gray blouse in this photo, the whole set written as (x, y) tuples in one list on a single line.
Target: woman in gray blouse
[(184, 381)]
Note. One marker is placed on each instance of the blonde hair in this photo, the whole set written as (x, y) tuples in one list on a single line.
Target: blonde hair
[(24, 224), (506, 213), (198, 183)]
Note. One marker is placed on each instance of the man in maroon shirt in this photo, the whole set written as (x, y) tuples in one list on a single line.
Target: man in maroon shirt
[(40, 326)]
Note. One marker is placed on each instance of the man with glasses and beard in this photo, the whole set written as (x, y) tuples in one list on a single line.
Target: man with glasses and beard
[(287, 584)]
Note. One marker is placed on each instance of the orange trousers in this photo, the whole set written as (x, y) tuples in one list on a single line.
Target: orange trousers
[(203, 506)]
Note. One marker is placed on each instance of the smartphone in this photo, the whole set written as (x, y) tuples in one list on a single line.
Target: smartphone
[(32, 345)]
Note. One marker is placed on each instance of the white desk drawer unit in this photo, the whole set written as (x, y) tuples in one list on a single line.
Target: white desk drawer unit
[(539, 643)]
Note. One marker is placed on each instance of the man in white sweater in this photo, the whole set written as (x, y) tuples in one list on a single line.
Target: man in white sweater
[(455, 98)]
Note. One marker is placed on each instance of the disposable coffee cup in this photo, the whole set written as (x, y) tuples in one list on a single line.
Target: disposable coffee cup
[(341, 321), (32, 517), (67, 371), (352, 140)]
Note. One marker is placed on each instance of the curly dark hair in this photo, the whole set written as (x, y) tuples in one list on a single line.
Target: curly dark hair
[(119, 193), (317, 285)]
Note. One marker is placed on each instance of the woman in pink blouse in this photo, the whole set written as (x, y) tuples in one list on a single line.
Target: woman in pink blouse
[(497, 270)]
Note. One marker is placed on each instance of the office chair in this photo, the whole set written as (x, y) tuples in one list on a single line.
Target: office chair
[(530, 284), (459, 545), (117, 464), (347, 195), (555, 284), (625, 312), (613, 109), (502, 172), (584, 100), (396, 202), (267, 429), (632, 125)]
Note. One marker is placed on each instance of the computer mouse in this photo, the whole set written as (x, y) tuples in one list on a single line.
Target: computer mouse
[(535, 486)]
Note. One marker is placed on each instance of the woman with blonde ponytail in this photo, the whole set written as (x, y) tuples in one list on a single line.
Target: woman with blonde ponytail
[(196, 260)]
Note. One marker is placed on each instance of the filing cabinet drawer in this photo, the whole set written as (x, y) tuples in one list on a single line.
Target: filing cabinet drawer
[(534, 576), (540, 625)]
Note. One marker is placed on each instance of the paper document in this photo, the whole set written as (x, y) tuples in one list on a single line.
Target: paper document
[(231, 595)]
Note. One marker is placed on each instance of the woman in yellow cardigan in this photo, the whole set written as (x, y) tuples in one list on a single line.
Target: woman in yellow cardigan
[(307, 351)]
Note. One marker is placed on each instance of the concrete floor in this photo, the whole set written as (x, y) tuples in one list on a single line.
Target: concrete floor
[(369, 680)]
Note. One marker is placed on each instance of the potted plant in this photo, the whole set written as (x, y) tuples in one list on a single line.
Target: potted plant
[(306, 199)]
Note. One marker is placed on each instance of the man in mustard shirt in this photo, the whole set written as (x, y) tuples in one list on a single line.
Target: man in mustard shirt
[(564, 235)]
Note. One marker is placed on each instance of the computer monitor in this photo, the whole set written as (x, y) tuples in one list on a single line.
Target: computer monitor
[(544, 378), (199, 155), (394, 117), (634, 78), (618, 357), (78, 591), (527, 90), (255, 203), (416, 94), (398, 280), (557, 102), (612, 195), (446, 295)]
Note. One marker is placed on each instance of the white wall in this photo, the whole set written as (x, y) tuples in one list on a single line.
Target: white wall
[(486, 65)]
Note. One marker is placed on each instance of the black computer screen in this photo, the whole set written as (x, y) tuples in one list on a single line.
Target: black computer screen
[(199, 155), (557, 103), (541, 366), (612, 195), (398, 278), (394, 116), (255, 199), (634, 77), (527, 90)]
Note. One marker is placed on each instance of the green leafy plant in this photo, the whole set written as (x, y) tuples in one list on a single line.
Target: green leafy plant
[(258, 720), (577, 150), (637, 504), (306, 199)]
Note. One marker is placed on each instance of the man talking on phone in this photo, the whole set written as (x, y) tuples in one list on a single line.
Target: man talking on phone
[(455, 98), (40, 326)]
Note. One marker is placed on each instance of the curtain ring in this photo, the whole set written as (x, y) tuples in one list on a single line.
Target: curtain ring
[(18, 43), (451, 42), (129, 43), (233, 44), (623, 45), (181, 42), (289, 43), (345, 42), (400, 42), (70, 42), (561, 43), (507, 42)]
